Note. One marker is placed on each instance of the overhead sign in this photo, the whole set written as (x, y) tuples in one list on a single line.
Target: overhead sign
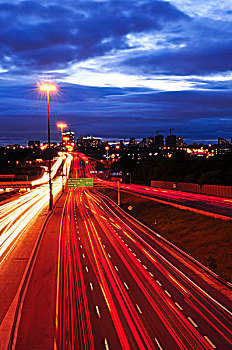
[(83, 182)]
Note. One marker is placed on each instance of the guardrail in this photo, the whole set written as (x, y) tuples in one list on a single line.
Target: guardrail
[(211, 190)]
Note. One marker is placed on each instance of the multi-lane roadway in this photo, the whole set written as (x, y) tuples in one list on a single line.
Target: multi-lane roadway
[(103, 281)]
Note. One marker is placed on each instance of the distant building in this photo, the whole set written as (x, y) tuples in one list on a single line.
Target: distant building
[(159, 141), (179, 141), (34, 144), (15, 146), (150, 141), (170, 141), (89, 141), (143, 143), (222, 141), (223, 147), (68, 139), (132, 142)]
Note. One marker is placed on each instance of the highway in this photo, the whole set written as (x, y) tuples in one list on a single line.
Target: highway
[(21, 220), (208, 205), (113, 285)]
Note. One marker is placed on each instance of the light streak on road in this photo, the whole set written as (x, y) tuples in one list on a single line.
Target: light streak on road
[(17, 214), (119, 287)]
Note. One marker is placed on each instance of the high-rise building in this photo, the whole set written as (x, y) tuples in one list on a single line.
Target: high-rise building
[(159, 141), (170, 141), (68, 139)]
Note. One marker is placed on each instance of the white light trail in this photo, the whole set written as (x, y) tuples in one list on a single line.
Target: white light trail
[(17, 214)]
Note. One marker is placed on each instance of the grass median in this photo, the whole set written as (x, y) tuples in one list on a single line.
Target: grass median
[(205, 238)]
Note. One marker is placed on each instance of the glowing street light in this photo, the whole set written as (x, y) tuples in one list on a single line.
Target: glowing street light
[(62, 126), (48, 88), (107, 152)]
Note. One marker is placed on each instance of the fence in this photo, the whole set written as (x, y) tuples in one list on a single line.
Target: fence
[(212, 190)]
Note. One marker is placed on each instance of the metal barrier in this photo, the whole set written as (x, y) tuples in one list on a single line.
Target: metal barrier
[(211, 190)]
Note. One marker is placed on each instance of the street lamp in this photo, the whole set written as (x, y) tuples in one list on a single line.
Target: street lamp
[(107, 153), (62, 126), (48, 87)]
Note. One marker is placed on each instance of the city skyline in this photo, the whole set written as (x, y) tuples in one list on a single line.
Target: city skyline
[(124, 68)]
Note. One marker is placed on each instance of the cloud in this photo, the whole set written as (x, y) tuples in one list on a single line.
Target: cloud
[(84, 29), (113, 112), (142, 64)]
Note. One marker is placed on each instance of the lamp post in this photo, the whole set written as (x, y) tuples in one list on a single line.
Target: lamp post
[(107, 153), (62, 126), (48, 88)]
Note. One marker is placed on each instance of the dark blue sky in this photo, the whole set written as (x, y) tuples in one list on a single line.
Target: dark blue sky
[(124, 68)]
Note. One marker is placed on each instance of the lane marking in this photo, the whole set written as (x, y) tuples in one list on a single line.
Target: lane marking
[(191, 320), (159, 283), (168, 294), (126, 285), (157, 342), (81, 246), (106, 344), (209, 341), (151, 274), (91, 286), (87, 269), (139, 260), (116, 268), (134, 254), (145, 267), (178, 305), (140, 311), (109, 256), (98, 311), (83, 255), (130, 249)]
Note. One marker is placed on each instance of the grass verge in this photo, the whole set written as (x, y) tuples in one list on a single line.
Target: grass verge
[(205, 238)]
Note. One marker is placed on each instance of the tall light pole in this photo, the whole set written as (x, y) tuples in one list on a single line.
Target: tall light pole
[(48, 88), (62, 126), (107, 153)]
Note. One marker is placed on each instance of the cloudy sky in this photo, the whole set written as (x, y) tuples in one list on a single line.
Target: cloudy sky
[(124, 68)]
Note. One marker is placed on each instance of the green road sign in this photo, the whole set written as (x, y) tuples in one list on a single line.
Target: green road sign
[(89, 182), (80, 182)]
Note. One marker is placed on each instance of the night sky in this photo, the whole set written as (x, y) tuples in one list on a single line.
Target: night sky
[(124, 68)]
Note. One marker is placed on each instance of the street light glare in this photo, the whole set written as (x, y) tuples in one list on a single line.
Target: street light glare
[(61, 125), (48, 87)]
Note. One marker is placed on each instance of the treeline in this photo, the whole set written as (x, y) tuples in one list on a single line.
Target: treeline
[(181, 167)]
